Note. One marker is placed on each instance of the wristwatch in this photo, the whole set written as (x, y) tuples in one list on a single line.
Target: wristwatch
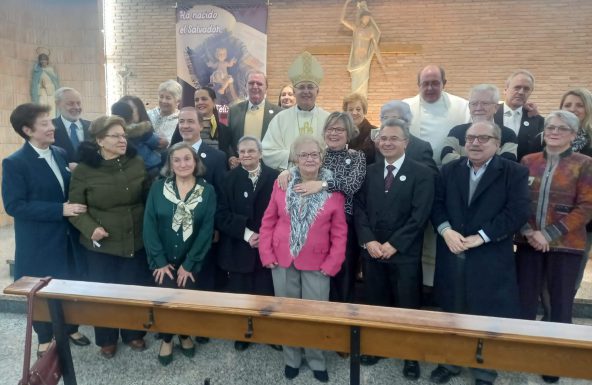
[(324, 185)]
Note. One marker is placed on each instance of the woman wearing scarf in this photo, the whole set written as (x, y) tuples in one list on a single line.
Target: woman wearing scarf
[(178, 229), (302, 240)]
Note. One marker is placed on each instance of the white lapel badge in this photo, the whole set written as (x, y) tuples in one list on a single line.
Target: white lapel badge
[(199, 199), (246, 194), (526, 123), (271, 112), (203, 155), (348, 161), (402, 178), (530, 180)]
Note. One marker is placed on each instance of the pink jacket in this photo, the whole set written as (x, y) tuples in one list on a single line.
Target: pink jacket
[(325, 245)]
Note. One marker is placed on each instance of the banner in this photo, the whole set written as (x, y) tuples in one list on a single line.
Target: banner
[(217, 46)]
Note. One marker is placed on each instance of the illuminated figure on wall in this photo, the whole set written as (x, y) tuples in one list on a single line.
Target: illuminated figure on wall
[(44, 81)]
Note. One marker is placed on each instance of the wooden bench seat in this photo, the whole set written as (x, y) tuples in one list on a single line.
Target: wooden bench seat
[(473, 341)]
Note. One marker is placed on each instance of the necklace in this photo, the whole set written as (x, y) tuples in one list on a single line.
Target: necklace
[(306, 128)]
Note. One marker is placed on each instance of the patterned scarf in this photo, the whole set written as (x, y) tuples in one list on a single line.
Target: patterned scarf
[(582, 139), (183, 215), (303, 210)]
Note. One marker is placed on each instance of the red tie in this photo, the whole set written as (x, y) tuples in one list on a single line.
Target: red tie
[(390, 177)]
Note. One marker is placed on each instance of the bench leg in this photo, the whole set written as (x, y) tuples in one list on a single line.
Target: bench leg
[(354, 357), (62, 341)]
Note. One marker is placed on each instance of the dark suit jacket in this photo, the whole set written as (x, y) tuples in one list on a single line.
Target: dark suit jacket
[(398, 216), (240, 207), (418, 150), (500, 206), (215, 162), (62, 137), (33, 196), (530, 135), (236, 122)]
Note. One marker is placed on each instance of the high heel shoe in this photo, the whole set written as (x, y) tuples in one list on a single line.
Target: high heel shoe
[(165, 359), (187, 346)]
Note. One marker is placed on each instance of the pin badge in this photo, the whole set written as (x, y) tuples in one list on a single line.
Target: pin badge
[(203, 155), (348, 161), (526, 124), (402, 178), (246, 194)]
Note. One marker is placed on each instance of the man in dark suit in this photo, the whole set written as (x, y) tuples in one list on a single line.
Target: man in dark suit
[(250, 117), (390, 214), (35, 181), (70, 129), (516, 113), (481, 201), (209, 278)]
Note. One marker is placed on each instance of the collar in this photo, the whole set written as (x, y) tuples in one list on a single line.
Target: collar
[(68, 123), (259, 106), (509, 111), (470, 164), (197, 145), (397, 163), (298, 109), (42, 152), (255, 171), (564, 154)]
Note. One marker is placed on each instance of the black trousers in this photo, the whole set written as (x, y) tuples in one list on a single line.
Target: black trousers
[(393, 284), (258, 282), (342, 284), (561, 272), (172, 284), (108, 268)]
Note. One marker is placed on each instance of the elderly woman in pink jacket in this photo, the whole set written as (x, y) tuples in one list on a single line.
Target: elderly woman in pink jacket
[(302, 239)]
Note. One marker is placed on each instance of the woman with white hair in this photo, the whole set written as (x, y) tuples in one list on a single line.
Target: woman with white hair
[(302, 240), (165, 117)]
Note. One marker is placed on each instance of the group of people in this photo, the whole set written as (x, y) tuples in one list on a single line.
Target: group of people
[(294, 201)]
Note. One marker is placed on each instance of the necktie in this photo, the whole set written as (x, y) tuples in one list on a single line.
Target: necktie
[(74, 136), (517, 120), (390, 177)]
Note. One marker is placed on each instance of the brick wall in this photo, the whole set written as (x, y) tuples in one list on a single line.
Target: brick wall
[(473, 39), (71, 30)]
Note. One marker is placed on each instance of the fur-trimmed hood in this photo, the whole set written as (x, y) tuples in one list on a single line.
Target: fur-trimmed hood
[(136, 130), (89, 153)]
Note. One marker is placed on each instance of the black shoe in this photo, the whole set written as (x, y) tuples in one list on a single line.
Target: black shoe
[(369, 360), (483, 382), (82, 341), (411, 370), (241, 346), (550, 379), (321, 375), (441, 375), (291, 372), (276, 347), (202, 340)]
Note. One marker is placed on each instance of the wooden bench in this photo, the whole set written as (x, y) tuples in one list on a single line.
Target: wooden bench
[(472, 341)]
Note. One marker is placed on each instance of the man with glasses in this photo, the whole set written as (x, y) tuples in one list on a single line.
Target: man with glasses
[(390, 213), (481, 201), (435, 111), (304, 118), (516, 113), (483, 102)]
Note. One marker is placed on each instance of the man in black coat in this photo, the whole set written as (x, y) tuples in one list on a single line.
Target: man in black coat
[(71, 130), (246, 191), (481, 201), (209, 277), (515, 110), (390, 213)]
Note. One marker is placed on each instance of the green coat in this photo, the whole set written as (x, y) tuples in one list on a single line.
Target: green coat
[(163, 244), (114, 193)]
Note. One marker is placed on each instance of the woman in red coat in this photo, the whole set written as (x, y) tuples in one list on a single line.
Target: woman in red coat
[(302, 239)]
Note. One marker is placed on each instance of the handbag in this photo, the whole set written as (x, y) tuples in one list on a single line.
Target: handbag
[(46, 370)]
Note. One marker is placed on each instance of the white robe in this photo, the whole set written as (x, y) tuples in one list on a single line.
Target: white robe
[(283, 130), (433, 121)]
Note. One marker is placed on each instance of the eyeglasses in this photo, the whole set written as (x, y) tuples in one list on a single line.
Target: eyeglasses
[(311, 155), (305, 87), (117, 136), (482, 104), (480, 138), (433, 84), (337, 130), (561, 129)]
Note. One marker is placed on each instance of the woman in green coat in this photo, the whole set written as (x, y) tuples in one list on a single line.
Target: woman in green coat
[(178, 229), (111, 181)]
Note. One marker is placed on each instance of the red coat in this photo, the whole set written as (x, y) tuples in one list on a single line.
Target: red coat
[(324, 248)]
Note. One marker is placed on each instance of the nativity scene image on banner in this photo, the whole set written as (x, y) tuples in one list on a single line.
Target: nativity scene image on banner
[(217, 46)]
